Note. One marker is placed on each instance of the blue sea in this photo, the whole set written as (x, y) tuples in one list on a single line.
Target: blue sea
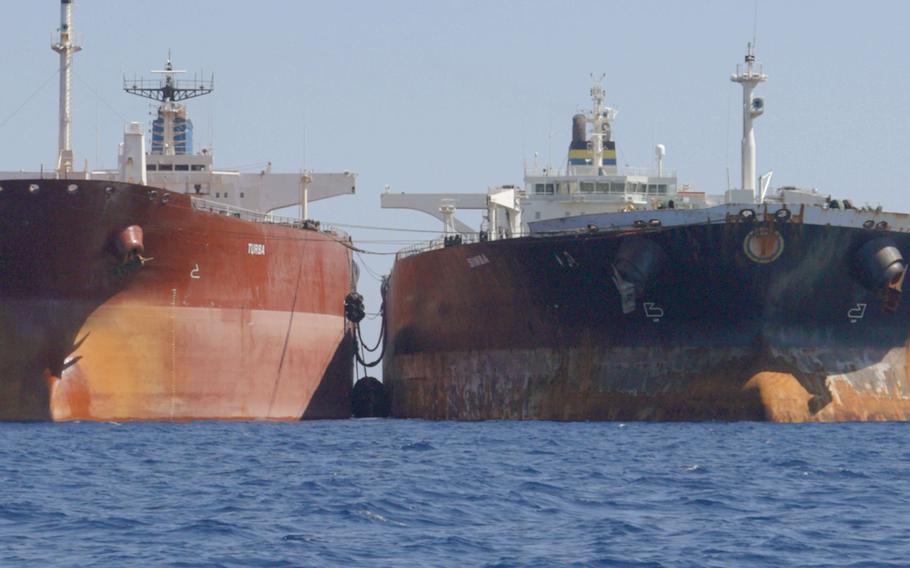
[(414, 493)]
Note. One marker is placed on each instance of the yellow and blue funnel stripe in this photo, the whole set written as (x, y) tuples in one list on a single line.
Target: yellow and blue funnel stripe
[(581, 155), (584, 157)]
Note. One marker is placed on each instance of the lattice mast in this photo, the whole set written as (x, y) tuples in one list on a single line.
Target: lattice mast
[(169, 92)]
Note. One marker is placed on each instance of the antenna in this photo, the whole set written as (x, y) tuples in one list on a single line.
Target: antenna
[(169, 91), (755, 25), (597, 116)]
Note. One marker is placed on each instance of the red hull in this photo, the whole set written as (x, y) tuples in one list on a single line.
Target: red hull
[(229, 319)]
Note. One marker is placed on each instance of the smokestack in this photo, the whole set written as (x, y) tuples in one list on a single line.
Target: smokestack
[(579, 129)]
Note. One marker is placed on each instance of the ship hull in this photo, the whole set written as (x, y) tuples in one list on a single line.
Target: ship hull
[(721, 326), (217, 318)]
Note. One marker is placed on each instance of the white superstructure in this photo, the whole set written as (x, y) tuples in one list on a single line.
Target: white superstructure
[(593, 184), (590, 183), (191, 173)]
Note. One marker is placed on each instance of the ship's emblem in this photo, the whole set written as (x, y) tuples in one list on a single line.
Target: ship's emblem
[(763, 245)]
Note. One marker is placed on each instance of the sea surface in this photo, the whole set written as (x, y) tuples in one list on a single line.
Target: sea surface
[(414, 493)]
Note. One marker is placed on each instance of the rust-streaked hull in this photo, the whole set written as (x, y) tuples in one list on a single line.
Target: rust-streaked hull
[(534, 328), (202, 330)]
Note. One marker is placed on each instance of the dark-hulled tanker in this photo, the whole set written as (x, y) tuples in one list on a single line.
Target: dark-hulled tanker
[(627, 298)]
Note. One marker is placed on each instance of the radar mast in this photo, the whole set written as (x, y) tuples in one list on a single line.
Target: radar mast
[(749, 77), (169, 91)]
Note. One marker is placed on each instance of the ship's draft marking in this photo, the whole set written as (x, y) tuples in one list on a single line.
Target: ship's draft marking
[(856, 313), (763, 245), (653, 311)]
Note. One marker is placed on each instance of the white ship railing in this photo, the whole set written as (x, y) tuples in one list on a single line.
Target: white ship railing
[(538, 172), (647, 172), (418, 248), (265, 218)]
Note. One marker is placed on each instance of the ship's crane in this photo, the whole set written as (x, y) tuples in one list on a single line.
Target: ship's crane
[(444, 205)]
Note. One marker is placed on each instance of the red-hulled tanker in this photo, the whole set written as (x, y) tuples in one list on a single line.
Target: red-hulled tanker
[(201, 315), (165, 289)]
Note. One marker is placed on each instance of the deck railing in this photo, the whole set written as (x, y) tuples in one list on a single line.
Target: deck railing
[(265, 218)]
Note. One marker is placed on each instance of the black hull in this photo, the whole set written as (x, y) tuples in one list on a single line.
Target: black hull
[(767, 319)]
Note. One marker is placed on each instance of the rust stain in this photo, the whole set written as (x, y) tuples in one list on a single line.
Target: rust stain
[(782, 396), (82, 340)]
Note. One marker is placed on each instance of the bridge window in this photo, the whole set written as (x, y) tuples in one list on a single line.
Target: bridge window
[(544, 188), (182, 167), (603, 187), (587, 187), (151, 167), (166, 167), (618, 187), (198, 167)]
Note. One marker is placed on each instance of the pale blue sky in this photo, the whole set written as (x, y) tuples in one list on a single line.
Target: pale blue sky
[(452, 96)]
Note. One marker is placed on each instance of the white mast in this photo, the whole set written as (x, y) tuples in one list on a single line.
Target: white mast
[(753, 107), (597, 137), (66, 47)]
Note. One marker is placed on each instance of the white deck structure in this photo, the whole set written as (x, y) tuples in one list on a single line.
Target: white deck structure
[(195, 174), (592, 184)]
